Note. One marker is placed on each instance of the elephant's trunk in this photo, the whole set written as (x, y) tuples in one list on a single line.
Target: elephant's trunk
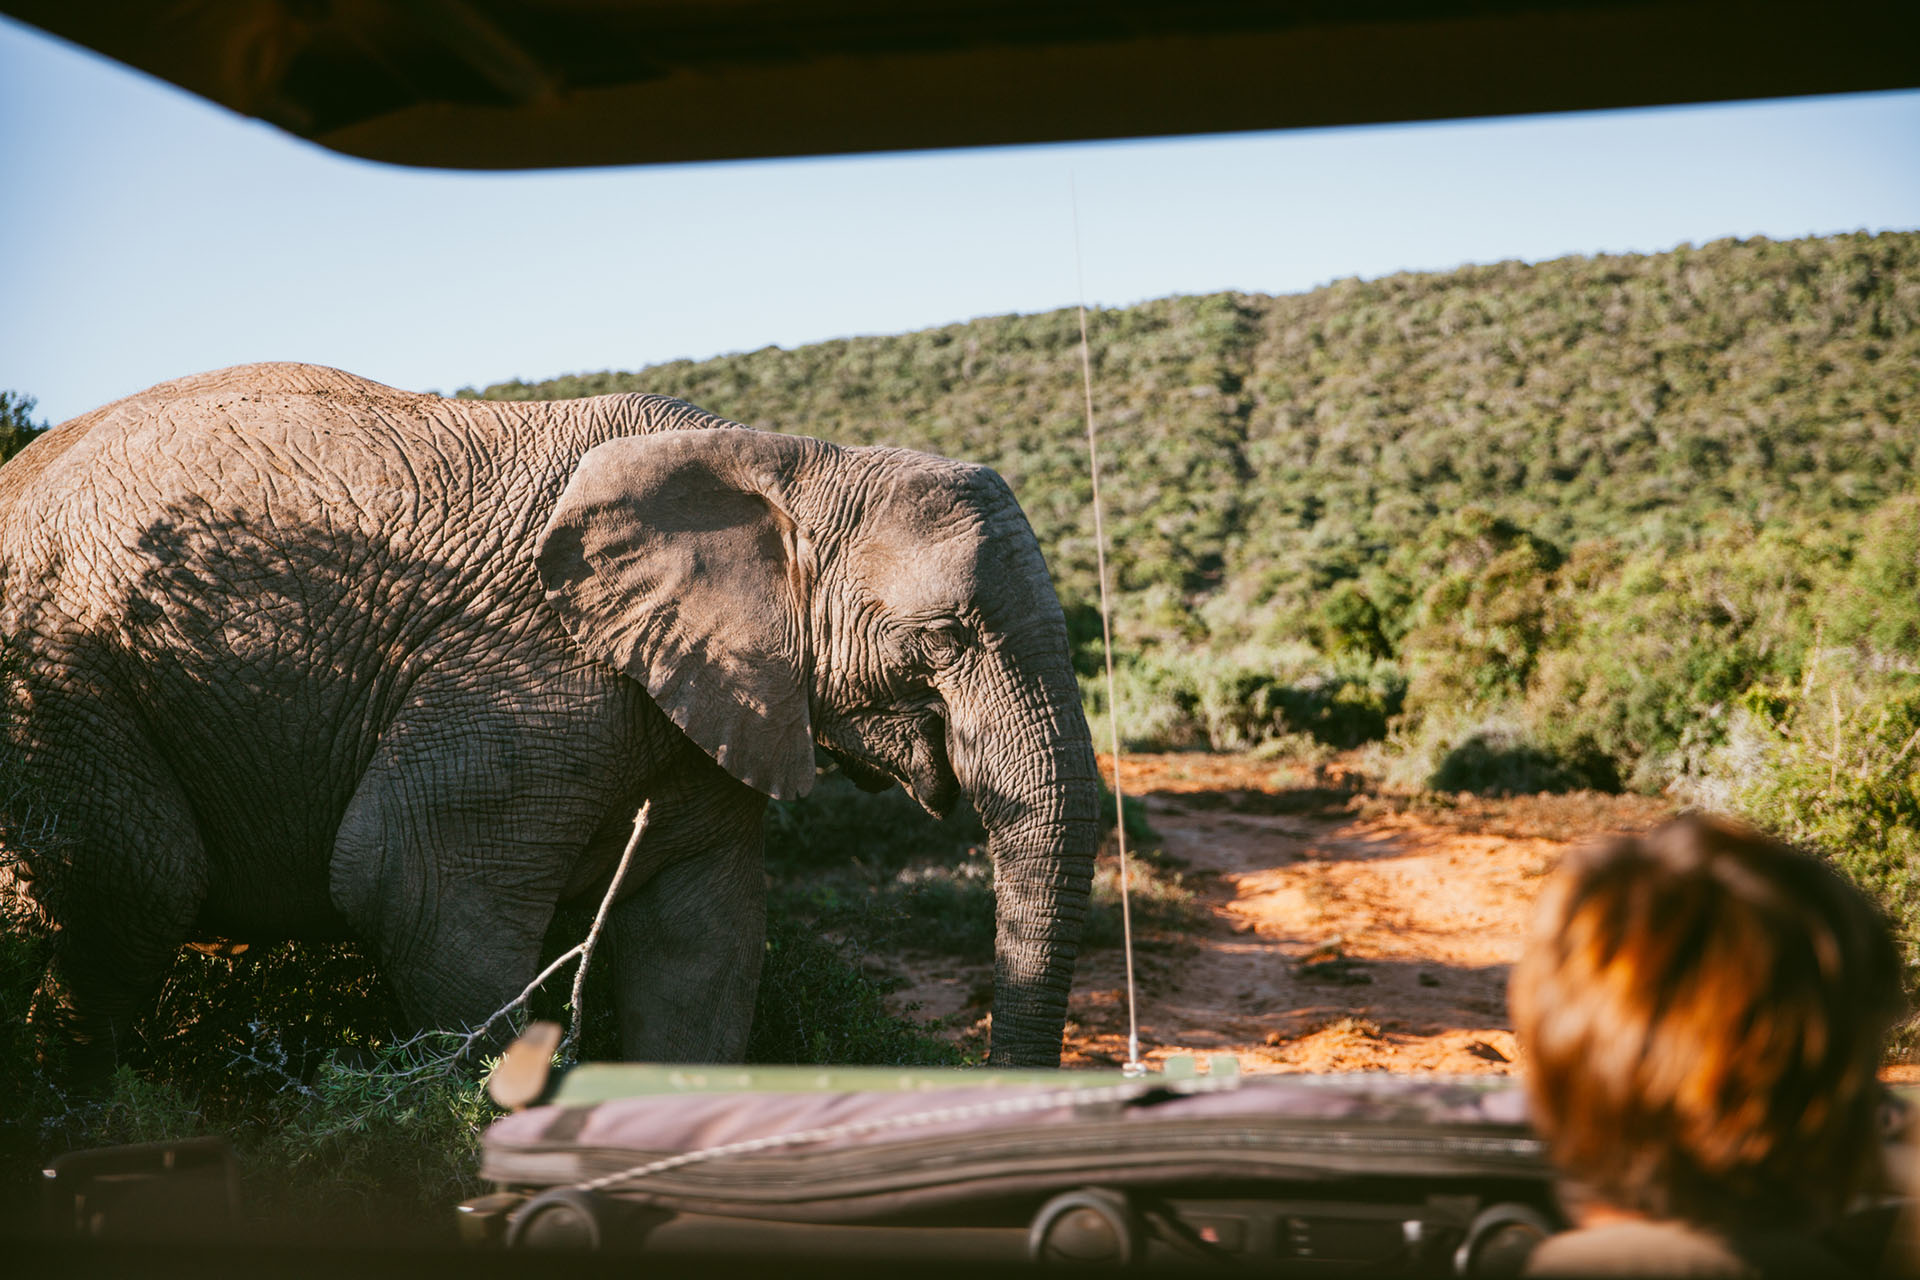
[(1037, 792)]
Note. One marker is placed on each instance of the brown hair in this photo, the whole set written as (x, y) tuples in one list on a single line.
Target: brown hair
[(1702, 1010)]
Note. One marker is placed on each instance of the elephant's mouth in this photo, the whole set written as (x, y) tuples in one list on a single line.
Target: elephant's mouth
[(867, 777), (920, 767), (930, 778)]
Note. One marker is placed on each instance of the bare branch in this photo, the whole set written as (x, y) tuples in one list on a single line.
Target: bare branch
[(571, 1045)]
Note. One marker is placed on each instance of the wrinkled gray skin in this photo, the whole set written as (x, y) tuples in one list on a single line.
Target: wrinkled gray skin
[(309, 657)]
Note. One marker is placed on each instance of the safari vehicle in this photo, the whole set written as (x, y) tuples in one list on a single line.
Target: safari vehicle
[(864, 1167), (1298, 1173), (1294, 1175)]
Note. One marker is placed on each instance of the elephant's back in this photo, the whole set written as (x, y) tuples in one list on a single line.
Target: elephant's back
[(119, 441), (308, 457), (242, 439)]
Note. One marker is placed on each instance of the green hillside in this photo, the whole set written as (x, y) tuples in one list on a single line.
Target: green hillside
[(1263, 448), (1591, 501)]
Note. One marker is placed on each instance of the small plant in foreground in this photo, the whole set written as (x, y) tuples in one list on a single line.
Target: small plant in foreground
[(818, 1006)]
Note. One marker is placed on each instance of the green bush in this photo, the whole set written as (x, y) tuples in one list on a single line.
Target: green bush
[(1657, 647), (17, 427), (950, 910), (1483, 607), (1834, 764), (1249, 699), (1493, 762), (1874, 604), (1158, 894), (1350, 622), (838, 823), (1603, 494), (372, 1137), (292, 1053), (867, 869), (1263, 451), (818, 1004)]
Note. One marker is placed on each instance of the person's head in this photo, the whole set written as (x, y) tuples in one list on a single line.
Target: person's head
[(1702, 1010)]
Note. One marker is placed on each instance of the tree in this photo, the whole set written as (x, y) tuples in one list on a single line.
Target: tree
[(17, 427)]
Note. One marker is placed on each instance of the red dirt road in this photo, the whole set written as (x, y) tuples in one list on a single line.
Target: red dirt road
[(1331, 938)]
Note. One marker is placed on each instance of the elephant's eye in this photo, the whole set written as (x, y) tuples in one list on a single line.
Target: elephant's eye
[(942, 642)]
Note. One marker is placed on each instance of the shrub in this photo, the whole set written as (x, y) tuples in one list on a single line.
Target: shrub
[(1350, 622), (908, 885), (369, 1138), (838, 823), (1159, 896), (1875, 603), (17, 427), (1485, 604), (291, 1052), (1834, 764), (1496, 762), (817, 1004), (1249, 698), (1656, 648)]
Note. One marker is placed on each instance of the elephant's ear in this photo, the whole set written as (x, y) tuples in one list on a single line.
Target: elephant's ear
[(672, 557)]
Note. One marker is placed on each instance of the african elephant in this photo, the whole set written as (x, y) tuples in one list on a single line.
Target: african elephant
[(309, 657)]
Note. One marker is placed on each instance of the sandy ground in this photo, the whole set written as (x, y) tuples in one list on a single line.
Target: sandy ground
[(1337, 930)]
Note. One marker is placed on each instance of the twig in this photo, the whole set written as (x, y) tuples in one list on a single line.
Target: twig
[(1911, 739), (571, 1044), (1833, 756), (518, 1002), (583, 950), (442, 1061)]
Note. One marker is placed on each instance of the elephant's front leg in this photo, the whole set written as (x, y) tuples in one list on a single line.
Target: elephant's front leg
[(685, 947)]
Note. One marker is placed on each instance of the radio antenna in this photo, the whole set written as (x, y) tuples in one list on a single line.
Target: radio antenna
[(1133, 1065)]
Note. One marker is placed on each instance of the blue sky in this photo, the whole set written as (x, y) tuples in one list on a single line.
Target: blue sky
[(146, 234)]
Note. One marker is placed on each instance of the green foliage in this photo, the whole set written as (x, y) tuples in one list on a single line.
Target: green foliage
[(817, 1004), (1875, 604), (1158, 894), (310, 999), (292, 1053), (370, 1136), (1652, 650), (1833, 764), (1250, 698), (1477, 630), (837, 823), (1492, 762), (389, 1136), (1350, 622), (17, 427), (1261, 450)]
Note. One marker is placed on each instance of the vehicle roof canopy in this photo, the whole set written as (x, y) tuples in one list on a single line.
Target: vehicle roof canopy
[(504, 84)]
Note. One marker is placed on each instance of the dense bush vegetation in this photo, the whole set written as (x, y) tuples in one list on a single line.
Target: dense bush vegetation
[(875, 869)]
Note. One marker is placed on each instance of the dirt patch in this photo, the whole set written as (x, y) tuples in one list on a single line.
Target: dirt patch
[(1339, 929)]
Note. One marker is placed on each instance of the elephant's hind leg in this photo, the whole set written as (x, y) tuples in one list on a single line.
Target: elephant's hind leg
[(124, 881)]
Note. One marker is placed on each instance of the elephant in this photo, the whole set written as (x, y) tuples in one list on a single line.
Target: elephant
[(302, 656)]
